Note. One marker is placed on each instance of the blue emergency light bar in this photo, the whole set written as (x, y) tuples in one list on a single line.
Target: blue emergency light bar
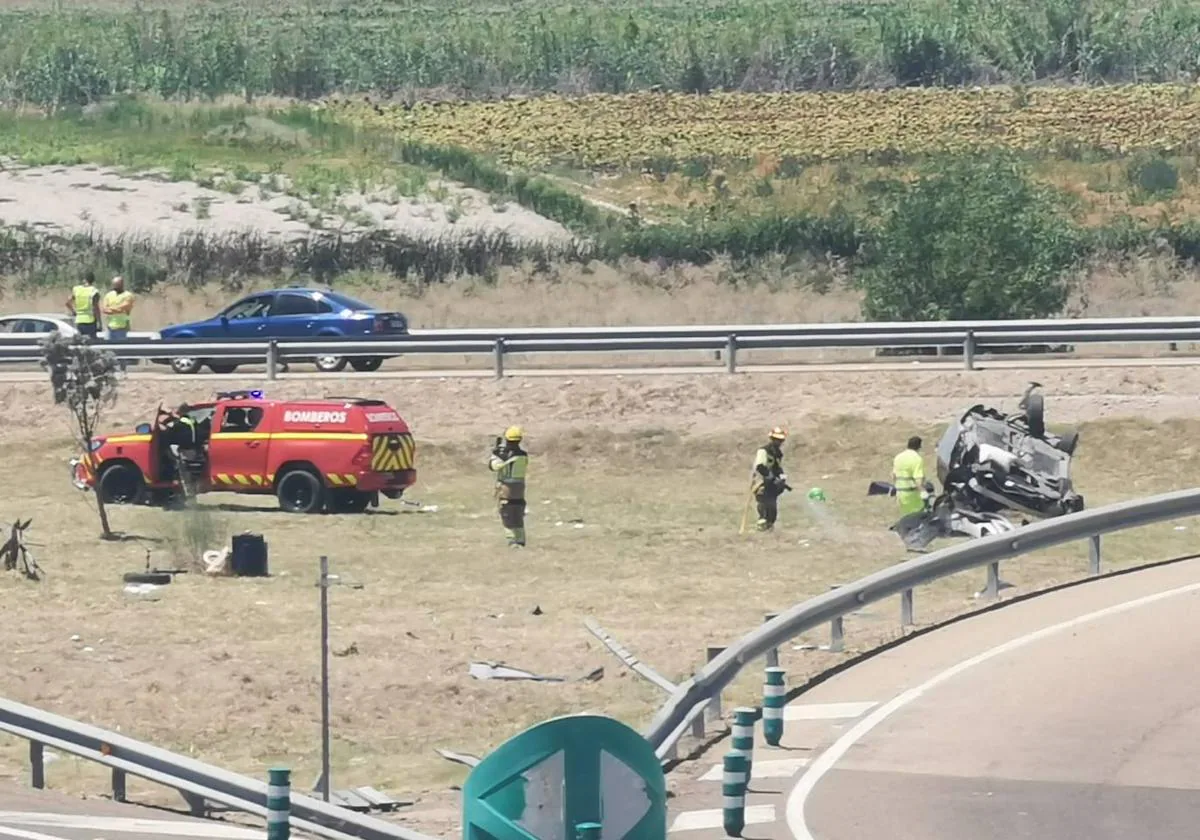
[(240, 395)]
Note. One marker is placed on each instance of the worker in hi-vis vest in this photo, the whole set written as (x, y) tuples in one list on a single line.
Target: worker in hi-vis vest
[(908, 477), (118, 309), (84, 304)]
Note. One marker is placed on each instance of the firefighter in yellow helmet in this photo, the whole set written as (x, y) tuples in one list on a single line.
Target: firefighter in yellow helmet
[(769, 481), (510, 462)]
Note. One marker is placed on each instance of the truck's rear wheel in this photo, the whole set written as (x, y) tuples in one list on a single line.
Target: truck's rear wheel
[(299, 491), (122, 484), (349, 501)]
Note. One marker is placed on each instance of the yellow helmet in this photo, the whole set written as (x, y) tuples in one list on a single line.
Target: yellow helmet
[(513, 433), (778, 434)]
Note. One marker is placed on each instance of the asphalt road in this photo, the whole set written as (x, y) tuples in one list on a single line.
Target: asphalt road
[(1075, 714), (27, 814), (158, 372)]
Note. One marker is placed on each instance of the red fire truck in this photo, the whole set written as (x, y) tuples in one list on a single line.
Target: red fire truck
[(337, 454)]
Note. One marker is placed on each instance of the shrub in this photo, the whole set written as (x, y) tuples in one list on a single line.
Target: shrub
[(976, 240)]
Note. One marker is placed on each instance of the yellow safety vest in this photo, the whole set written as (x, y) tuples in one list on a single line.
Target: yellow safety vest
[(117, 320), (83, 304), (510, 475), (909, 470)]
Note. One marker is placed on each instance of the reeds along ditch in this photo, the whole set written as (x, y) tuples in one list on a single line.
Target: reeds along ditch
[(36, 259), (54, 55)]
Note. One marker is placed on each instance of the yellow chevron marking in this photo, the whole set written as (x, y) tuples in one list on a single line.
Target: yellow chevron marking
[(224, 479), (271, 478), (241, 479), (335, 479), (352, 480), (257, 479), (386, 459)]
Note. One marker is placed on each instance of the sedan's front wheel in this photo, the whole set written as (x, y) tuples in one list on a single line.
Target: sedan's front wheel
[(330, 364), (185, 364)]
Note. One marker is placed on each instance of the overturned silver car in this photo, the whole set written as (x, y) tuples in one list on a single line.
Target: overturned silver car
[(992, 465)]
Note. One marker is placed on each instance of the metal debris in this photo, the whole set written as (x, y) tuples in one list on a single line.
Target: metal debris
[(458, 758), (498, 671)]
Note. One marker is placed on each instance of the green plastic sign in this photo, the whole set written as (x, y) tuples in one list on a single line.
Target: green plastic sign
[(543, 783)]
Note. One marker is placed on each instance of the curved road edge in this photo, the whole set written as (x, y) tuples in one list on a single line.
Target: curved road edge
[(1022, 624)]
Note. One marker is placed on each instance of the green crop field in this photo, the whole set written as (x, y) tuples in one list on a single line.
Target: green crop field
[(50, 53)]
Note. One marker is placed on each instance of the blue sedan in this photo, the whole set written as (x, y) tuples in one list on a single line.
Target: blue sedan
[(289, 313)]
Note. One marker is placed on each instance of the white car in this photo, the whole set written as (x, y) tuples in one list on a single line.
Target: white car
[(40, 323)]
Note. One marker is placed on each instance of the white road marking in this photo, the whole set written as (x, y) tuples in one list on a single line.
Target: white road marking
[(697, 820), (798, 798), (826, 711), (132, 825), (773, 769), (21, 834)]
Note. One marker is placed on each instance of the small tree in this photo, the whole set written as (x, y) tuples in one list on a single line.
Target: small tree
[(84, 379), (973, 240)]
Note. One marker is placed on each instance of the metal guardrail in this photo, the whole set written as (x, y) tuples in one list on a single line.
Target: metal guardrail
[(198, 782), (705, 687), (726, 339)]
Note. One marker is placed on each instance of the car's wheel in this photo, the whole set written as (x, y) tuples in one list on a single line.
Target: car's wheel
[(122, 484), (218, 367), (366, 364), (330, 364), (349, 501), (186, 364), (299, 491), (1035, 415), (1068, 442)]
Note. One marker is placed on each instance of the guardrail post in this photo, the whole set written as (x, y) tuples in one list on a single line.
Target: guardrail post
[(774, 695), (836, 628), (498, 356), (118, 785), (906, 608), (1094, 554), (588, 831), (279, 803), (992, 590), (969, 350), (272, 358), (742, 738), (731, 354), (37, 765), (773, 654), (712, 714), (735, 774)]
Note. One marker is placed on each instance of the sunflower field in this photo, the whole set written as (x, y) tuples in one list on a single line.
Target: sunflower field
[(610, 131)]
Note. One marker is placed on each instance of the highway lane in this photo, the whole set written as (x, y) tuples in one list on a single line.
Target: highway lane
[(304, 372), (1075, 714), (27, 814)]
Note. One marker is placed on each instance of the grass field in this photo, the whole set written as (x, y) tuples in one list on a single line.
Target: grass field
[(647, 478)]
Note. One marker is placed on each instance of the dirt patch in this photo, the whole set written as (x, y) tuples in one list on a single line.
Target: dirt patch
[(455, 410), (636, 488), (67, 199)]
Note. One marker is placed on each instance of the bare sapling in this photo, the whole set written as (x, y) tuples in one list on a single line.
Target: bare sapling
[(84, 379)]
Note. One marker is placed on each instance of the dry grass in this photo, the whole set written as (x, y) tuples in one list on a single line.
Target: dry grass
[(565, 295), (654, 470), (643, 293)]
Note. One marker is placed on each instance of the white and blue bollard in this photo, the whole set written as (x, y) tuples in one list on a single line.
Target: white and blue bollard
[(735, 774), (279, 803), (742, 736), (774, 695)]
